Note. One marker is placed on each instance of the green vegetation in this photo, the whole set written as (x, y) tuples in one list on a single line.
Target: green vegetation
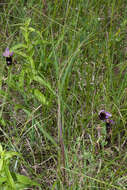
[(69, 62)]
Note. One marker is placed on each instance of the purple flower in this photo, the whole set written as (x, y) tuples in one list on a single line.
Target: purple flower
[(111, 121), (8, 56), (7, 53), (103, 115)]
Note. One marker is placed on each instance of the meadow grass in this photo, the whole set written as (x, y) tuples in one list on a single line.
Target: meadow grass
[(71, 63)]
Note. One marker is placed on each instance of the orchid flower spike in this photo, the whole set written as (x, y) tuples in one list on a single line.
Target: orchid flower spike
[(7, 53)]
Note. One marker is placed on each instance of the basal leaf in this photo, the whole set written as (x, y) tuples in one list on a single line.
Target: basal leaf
[(44, 83), (41, 98)]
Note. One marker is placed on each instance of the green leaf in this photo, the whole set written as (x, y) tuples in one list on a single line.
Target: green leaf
[(21, 79), (44, 83), (32, 64), (18, 46), (25, 33), (27, 22), (1, 148), (2, 180), (23, 29), (21, 53), (2, 122), (41, 98), (1, 164), (18, 107), (10, 154), (20, 186), (3, 93), (66, 73), (66, 70), (31, 29), (26, 180), (9, 177)]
